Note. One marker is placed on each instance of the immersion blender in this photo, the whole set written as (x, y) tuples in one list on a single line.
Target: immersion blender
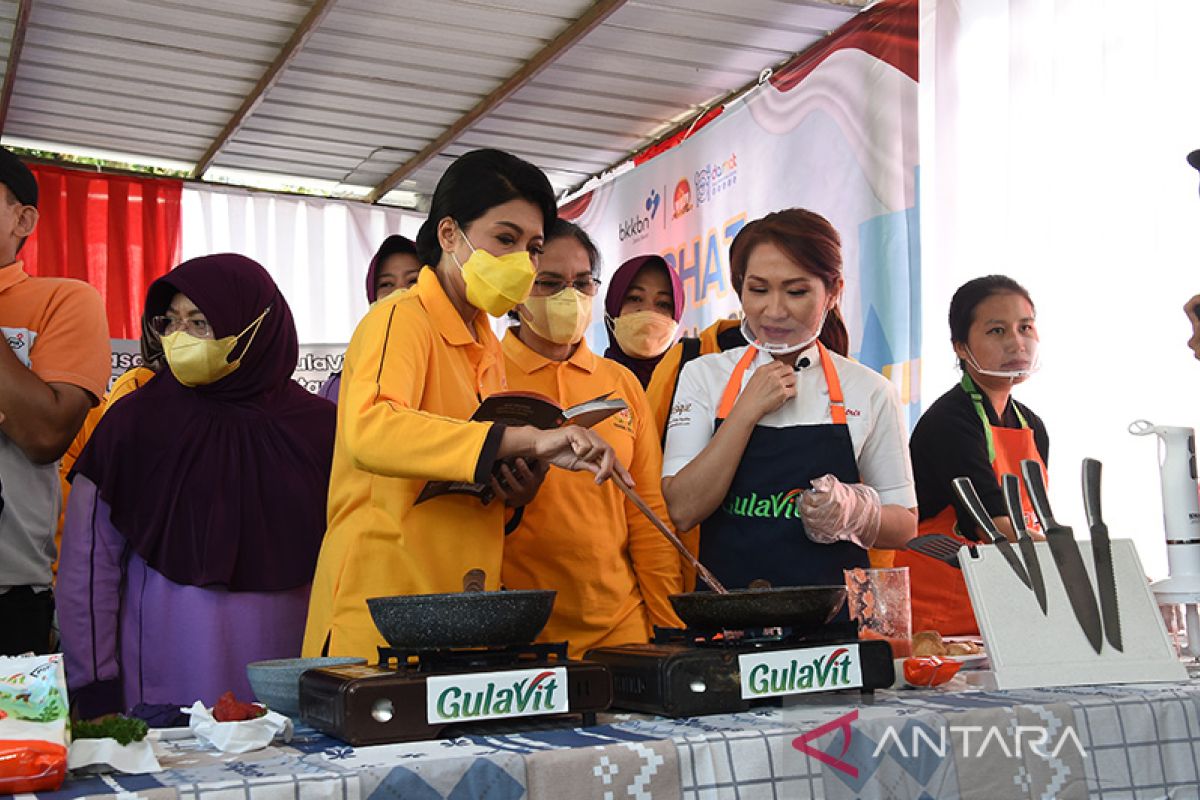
[(1181, 522)]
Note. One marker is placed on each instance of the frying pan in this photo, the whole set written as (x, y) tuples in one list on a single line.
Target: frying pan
[(802, 608), (472, 618)]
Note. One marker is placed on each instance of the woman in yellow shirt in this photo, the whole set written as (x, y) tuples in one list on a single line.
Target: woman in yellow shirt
[(613, 571), (417, 367)]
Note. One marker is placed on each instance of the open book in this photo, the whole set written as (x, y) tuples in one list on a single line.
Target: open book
[(525, 408)]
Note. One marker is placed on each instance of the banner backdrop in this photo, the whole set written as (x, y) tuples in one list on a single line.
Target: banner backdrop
[(835, 132)]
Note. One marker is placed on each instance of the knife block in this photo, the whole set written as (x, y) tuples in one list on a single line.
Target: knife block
[(1029, 649)]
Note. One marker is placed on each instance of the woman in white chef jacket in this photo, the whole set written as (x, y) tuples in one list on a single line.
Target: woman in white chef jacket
[(791, 458)]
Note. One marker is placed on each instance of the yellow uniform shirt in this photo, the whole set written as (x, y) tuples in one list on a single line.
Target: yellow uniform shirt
[(612, 569), (661, 389), (128, 383), (412, 377)]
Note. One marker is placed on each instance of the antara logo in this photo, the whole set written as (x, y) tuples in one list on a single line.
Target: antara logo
[(496, 694), (781, 505)]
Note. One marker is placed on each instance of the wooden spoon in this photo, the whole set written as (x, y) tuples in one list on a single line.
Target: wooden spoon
[(666, 531)]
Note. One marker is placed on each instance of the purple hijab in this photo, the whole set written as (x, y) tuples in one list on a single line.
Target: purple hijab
[(643, 368), (224, 484), (392, 245)]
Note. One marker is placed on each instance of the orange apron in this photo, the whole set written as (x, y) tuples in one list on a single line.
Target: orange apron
[(939, 593)]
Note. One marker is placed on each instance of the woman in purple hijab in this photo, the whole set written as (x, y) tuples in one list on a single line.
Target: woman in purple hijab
[(643, 308), (198, 506), (394, 267)]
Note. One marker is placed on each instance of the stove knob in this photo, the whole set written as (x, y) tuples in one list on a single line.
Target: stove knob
[(382, 710), (699, 687)]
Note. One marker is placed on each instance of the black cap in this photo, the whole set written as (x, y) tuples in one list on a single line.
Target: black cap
[(1194, 158), (17, 177)]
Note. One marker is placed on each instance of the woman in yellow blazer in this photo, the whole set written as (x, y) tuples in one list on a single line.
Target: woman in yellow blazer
[(416, 369), (612, 569)]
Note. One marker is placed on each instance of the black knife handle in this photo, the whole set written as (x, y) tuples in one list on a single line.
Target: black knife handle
[(970, 498), (1091, 492), (1035, 484), (1011, 485)]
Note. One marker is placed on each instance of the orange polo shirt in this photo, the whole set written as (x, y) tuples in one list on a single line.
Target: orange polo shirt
[(611, 568), (57, 328), (412, 377)]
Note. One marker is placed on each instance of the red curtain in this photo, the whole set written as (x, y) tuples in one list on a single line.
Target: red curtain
[(118, 233)]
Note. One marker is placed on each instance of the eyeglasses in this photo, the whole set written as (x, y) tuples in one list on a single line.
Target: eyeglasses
[(168, 325), (549, 286)]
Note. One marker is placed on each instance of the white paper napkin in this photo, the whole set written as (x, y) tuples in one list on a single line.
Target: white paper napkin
[(237, 737), (135, 758)]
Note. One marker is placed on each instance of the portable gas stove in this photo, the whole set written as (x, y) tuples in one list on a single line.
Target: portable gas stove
[(685, 673), (422, 694)]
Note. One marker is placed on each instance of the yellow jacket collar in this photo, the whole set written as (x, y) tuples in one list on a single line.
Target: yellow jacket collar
[(445, 317), (529, 361)]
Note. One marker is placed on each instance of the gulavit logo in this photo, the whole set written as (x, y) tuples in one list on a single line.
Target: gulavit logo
[(781, 505), (495, 695), (809, 669)]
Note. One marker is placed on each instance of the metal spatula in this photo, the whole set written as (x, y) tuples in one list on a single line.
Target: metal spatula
[(937, 545)]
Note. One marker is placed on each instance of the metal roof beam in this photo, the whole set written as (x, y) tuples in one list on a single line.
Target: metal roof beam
[(290, 50), (581, 27), (14, 58)]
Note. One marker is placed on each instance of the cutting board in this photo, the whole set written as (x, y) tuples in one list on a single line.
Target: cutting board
[(1028, 649)]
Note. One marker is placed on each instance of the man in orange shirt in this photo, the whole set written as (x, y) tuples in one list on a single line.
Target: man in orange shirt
[(53, 368)]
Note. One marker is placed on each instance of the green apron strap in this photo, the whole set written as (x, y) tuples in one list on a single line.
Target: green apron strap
[(976, 396)]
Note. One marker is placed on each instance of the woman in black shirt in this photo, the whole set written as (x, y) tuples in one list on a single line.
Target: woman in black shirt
[(976, 430)]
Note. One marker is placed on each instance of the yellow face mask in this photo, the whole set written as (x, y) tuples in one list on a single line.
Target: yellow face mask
[(560, 318), (644, 334), (199, 362), (496, 284)]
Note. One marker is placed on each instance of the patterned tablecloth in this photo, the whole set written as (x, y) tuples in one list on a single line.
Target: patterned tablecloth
[(1103, 741)]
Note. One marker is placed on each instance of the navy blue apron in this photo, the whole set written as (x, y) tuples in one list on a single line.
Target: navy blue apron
[(757, 531)]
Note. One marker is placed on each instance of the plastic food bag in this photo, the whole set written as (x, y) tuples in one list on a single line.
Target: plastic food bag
[(33, 724)]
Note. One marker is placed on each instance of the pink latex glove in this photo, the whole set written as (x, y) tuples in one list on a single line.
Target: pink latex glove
[(841, 512)]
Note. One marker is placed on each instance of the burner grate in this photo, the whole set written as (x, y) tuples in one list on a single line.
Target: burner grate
[(834, 631), (456, 659)]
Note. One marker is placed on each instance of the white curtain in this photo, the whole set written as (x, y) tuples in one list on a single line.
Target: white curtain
[(1054, 134), (317, 250)]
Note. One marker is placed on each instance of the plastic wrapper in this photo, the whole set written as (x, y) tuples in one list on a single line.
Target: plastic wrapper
[(33, 724), (238, 737)]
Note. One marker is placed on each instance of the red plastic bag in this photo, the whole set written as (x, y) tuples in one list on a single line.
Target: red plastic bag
[(33, 723), (31, 766)]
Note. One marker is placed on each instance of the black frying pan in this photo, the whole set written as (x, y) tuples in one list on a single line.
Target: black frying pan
[(802, 608), (472, 618)]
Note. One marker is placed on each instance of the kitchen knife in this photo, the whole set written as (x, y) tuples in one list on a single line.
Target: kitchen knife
[(1066, 557), (970, 498), (1106, 582), (1016, 513)]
